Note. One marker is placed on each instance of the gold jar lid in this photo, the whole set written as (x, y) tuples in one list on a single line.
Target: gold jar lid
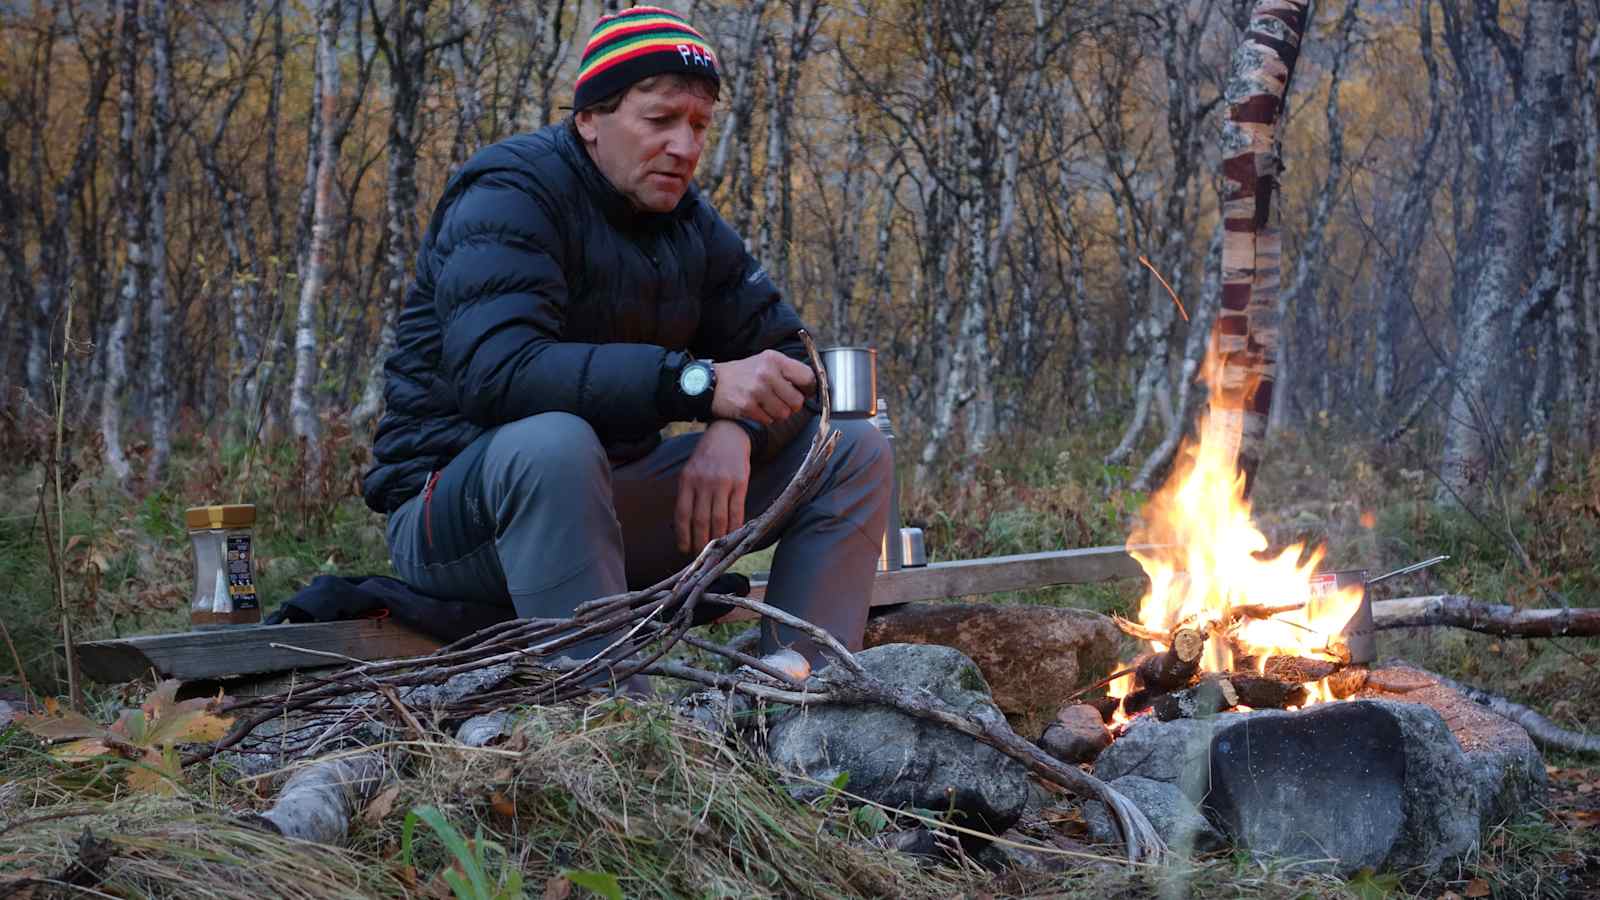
[(234, 515)]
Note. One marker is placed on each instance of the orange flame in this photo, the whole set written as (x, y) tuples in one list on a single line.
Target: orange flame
[(1210, 569)]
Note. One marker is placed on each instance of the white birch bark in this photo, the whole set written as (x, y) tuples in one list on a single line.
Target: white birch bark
[(302, 407), (162, 384), (130, 205), (1245, 339)]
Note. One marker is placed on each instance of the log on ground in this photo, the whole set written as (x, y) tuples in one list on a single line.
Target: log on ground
[(319, 801), (1457, 611)]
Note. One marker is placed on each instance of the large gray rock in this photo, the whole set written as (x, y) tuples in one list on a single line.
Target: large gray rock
[(1172, 814), (1032, 656), (901, 761), (1177, 752), (1351, 785), (1506, 767)]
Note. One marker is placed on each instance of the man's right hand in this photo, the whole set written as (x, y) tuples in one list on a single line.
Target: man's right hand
[(765, 388)]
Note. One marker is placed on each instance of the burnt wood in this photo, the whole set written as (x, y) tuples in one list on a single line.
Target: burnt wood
[(1296, 669), (1258, 692), (1172, 669), (1210, 695)]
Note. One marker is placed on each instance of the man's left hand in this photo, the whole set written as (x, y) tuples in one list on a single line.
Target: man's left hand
[(712, 485)]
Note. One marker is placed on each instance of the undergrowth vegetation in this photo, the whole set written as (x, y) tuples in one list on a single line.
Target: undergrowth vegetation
[(621, 799)]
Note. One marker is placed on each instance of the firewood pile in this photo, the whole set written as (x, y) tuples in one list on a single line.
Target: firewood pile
[(1173, 684)]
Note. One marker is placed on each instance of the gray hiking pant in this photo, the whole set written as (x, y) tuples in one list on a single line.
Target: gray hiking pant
[(533, 516)]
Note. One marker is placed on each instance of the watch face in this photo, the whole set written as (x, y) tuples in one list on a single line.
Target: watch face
[(694, 380)]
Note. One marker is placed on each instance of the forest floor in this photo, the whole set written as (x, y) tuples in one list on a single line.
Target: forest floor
[(620, 799)]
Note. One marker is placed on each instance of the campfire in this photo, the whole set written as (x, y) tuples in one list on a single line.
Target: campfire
[(1227, 623)]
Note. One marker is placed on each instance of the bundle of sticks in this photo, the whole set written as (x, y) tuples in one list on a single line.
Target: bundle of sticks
[(1170, 684)]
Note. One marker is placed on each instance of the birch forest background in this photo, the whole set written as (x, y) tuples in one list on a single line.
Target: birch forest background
[(208, 213)]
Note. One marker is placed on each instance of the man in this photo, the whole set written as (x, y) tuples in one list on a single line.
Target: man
[(574, 294)]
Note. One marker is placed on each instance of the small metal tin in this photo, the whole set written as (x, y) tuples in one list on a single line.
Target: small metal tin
[(1358, 632), (912, 550)]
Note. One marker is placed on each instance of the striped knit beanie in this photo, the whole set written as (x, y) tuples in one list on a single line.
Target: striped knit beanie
[(635, 44)]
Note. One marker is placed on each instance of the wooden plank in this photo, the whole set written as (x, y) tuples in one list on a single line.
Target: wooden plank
[(232, 652), (995, 574), (228, 652)]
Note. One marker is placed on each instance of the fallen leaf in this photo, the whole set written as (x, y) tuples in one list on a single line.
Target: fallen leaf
[(1580, 818), (1476, 888), (1587, 787), (381, 805), (503, 805), (557, 888), (1449, 895), (58, 724), (82, 751)]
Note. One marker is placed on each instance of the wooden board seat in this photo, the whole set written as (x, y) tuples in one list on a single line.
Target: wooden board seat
[(260, 650)]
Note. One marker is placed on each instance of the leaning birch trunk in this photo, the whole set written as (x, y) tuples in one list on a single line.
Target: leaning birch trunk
[(302, 412), (1510, 201), (319, 801), (163, 387), (132, 214), (1245, 340)]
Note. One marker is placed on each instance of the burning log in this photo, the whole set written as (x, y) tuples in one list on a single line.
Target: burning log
[(1173, 669), (1347, 681), (1261, 692), (1293, 669), (1211, 695)]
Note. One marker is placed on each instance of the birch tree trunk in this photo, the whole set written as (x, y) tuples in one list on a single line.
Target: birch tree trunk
[(784, 68), (131, 207), (734, 129), (1410, 219), (1587, 433), (406, 54), (161, 381), (54, 216), (1245, 339), (1312, 262), (1509, 203), (302, 407)]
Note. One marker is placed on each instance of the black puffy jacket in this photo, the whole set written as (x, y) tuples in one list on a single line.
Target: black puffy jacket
[(539, 288)]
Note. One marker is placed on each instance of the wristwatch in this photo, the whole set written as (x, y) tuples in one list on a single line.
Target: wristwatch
[(697, 382)]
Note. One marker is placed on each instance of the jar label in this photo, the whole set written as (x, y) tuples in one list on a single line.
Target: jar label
[(241, 583)]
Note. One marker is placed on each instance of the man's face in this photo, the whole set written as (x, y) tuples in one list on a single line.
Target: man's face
[(649, 147)]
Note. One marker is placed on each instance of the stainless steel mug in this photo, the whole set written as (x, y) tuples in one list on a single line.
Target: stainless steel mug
[(852, 381)]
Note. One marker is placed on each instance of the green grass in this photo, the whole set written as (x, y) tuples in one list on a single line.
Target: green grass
[(626, 792)]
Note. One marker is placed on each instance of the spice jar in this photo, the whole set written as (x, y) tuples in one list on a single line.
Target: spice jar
[(224, 566)]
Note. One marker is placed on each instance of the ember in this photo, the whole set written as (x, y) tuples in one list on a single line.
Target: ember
[(1219, 603)]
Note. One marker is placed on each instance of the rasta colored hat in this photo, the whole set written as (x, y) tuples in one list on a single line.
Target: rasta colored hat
[(638, 43)]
